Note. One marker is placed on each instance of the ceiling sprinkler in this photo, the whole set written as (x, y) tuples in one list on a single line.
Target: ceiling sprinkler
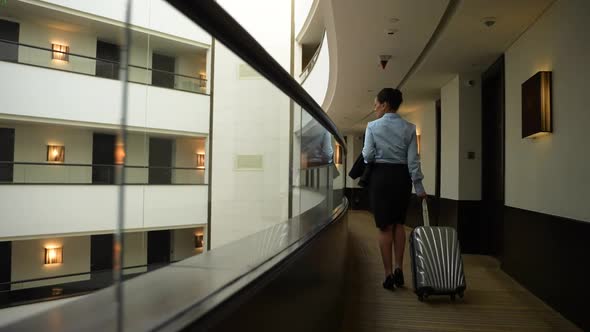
[(383, 59)]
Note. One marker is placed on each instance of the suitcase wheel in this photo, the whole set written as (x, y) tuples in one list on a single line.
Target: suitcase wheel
[(423, 295)]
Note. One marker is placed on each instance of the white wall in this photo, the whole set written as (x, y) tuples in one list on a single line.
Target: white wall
[(460, 134), (273, 32), (156, 15), (550, 174), (450, 152), (316, 83), (251, 117), (28, 261), (424, 117), (74, 97), (38, 210), (302, 11)]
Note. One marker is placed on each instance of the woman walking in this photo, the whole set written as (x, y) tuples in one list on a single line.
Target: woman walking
[(390, 144)]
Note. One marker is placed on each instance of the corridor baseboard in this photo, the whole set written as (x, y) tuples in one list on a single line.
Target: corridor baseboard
[(549, 256)]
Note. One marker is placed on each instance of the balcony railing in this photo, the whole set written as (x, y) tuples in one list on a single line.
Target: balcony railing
[(97, 174), (32, 55), (309, 67)]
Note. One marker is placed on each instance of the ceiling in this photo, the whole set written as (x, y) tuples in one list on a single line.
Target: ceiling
[(463, 45)]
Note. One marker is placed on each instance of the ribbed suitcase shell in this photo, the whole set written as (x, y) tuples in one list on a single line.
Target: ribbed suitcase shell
[(436, 261)]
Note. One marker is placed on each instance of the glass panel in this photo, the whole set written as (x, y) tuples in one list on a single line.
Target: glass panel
[(317, 156), (91, 181), (62, 149)]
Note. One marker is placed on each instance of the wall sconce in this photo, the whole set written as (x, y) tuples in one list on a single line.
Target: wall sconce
[(418, 141), (203, 81), (536, 105), (54, 255), (60, 52), (338, 155), (119, 154), (201, 160), (198, 240), (56, 153)]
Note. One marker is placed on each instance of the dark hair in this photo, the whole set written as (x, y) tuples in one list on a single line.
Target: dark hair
[(393, 97)]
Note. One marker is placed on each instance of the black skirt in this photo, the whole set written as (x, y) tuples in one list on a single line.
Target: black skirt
[(390, 190)]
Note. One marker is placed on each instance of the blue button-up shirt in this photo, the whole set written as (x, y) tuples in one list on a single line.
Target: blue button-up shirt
[(392, 140)]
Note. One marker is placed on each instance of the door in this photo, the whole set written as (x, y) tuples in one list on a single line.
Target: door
[(493, 157), (103, 158), (101, 252), (6, 154), (9, 31), (160, 161), (163, 70), (107, 60), (158, 247), (5, 264)]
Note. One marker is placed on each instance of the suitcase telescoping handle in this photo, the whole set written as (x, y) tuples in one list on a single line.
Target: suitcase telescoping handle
[(425, 213)]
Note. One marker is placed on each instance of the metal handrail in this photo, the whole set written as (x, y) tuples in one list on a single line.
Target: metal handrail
[(94, 165), (100, 59)]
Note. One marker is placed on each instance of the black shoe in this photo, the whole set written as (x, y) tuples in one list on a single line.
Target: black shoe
[(398, 277), (389, 282)]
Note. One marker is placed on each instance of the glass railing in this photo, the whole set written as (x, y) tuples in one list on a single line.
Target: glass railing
[(270, 156), (26, 54)]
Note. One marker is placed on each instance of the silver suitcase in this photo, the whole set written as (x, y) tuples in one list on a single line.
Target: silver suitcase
[(437, 265)]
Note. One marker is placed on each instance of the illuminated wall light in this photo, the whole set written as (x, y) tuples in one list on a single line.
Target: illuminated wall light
[(201, 160), (119, 154), (338, 156), (56, 153), (418, 141), (203, 81), (198, 240), (60, 52), (536, 105), (53, 255)]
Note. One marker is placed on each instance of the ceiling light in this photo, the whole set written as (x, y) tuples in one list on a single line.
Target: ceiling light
[(489, 21), (390, 32), (383, 59)]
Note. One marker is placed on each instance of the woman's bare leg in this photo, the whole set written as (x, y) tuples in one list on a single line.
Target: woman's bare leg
[(385, 244)]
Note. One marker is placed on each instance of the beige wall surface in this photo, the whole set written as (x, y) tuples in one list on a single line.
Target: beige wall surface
[(28, 261), (550, 174), (425, 120), (450, 129)]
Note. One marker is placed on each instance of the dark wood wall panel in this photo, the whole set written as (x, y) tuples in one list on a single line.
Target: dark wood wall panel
[(550, 256)]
